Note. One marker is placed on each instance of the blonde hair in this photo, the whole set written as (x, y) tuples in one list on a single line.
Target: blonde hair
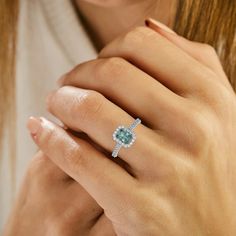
[(211, 21), (8, 28)]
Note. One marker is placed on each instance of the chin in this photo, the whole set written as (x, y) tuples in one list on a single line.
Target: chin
[(111, 3)]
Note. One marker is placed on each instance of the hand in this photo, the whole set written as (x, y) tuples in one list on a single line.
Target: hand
[(51, 203), (182, 165)]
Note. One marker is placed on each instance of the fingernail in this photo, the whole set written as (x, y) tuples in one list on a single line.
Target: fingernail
[(34, 125), (150, 22), (38, 127)]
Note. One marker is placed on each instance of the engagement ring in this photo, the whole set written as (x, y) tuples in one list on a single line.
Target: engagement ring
[(124, 137)]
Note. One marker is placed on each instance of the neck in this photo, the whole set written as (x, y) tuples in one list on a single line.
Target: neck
[(106, 23)]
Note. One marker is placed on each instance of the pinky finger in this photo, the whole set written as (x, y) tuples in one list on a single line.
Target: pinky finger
[(99, 176)]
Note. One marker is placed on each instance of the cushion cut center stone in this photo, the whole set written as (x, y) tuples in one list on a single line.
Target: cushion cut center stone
[(124, 135)]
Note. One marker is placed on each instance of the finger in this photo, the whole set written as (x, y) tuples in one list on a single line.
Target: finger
[(127, 86), (84, 202), (42, 167), (118, 161), (204, 53), (99, 176), (45, 168), (161, 59), (98, 117)]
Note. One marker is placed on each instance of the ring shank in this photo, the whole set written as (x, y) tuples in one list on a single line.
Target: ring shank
[(116, 150), (136, 122)]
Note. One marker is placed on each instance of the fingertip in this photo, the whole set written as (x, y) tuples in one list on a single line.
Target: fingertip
[(39, 128), (34, 125)]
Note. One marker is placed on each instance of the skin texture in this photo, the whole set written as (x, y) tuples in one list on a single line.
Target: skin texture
[(96, 15), (52, 203), (183, 160), (178, 177)]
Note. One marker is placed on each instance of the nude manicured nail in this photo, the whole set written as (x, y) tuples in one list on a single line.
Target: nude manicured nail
[(150, 22), (39, 127), (34, 125)]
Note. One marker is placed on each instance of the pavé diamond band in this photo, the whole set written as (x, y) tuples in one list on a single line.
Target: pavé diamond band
[(124, 137)]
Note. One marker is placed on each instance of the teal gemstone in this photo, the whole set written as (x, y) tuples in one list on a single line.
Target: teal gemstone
[(124, 136)]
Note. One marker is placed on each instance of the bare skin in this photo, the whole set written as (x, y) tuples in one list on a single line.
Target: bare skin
[(20, 220), (108, 19), (183, 161), (52, 203), (189, 180)]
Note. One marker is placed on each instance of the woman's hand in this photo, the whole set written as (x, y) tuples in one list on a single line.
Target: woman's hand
[(181, 176), (50, 203)]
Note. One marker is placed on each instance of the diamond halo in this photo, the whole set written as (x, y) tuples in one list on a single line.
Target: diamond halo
[(127, 131), (124, 136)]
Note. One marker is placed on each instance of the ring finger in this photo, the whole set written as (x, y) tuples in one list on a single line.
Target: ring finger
[(91, 112)]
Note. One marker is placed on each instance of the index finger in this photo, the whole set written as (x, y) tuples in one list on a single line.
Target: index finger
[(99, 176)]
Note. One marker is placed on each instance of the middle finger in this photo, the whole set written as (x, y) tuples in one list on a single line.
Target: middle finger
[(127, 86)]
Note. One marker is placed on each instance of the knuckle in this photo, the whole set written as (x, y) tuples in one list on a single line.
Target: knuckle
[(68, 78), (36, 164), (90, 105), (208, 48), (217, 99), (56, 98), (70, 215), (74, 73), (61, 227), (221, 100), (75, 157), (222, 93), (200, 124), (136, 37), (143, 213), (39, 170), (202, 129), (110, 68)]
